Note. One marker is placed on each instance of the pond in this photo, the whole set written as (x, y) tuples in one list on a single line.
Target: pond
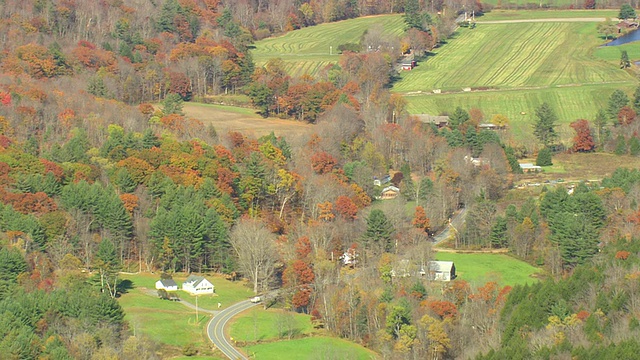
[(625, 39)]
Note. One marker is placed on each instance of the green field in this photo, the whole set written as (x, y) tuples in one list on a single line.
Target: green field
[(514, 56), (311, 348), (308, 50), (494, 15), (480, 268), (263, 325), (550, 62)]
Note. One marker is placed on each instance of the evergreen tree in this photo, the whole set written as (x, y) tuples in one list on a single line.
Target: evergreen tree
[(379, 231), (149, 139), (636, 100), (513, 161), (624, 60), (634, 146), (124, 181), (544, 157), (459, 117), (621, 145), (499, 233), (617, 101), (544, 128), (626, 12), (172, 104), (600, 123)]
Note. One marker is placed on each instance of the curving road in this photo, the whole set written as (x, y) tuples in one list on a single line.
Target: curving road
[(455, 222), (215, 329)]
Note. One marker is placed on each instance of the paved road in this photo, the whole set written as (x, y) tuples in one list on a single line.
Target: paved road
[(215, 329)]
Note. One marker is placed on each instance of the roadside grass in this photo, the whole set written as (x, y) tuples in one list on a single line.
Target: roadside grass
[(494, 15), (310, 348), (257, 324), (479, 268), (310, 49)]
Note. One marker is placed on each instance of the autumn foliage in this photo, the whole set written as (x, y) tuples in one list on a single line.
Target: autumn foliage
[(583, 141), (323, 162)]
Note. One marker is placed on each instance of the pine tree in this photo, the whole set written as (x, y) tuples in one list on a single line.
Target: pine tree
[(617, 101), (124, 181), (624, 60), (499, 233), (379, 231), (621, 145), (544, 128), (634, 146), (149, 139), (459, 117), (600, 123)]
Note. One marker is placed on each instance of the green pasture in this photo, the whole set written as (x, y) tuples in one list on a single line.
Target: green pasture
[(516, 55), (229, 108), (264, 325), (310, 348), (483, 267), (569, 102), (612, 53), (498, 14), (308, 50)]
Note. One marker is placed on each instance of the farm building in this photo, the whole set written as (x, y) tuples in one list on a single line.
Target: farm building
[(441, 270), (381, 181), (167, 284), (488, 126), (408, 64), (439, 121), (529, 167), (390, 192), (197, 285)]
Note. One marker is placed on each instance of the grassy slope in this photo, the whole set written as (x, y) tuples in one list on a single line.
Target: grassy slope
[(514, 56), (480, 268), (261, 325), (307, 50), (310, 348), (552, 63), (545, 14)]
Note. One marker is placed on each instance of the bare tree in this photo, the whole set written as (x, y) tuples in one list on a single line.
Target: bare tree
[(256, 251)]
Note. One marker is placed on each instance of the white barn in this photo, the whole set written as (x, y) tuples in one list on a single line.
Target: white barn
[(442, 270), (167, 284), (197, 285)]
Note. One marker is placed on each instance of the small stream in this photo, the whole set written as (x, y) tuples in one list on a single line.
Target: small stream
[(625, 39)]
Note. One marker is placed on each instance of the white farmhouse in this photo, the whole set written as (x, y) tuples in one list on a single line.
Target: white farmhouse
[(197, 285), (442, 270)]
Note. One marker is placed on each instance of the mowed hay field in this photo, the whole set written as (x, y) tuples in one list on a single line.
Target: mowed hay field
[(512, 56), (306, 51), (512, 68), (230, 118)]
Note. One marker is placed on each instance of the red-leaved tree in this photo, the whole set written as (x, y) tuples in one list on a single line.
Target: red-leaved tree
[(583, 141)]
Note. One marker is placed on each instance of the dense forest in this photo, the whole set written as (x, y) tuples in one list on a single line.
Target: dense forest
[(101, 171)]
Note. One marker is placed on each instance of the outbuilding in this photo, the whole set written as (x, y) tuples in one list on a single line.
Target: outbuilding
[(167, 285), (442, 270)]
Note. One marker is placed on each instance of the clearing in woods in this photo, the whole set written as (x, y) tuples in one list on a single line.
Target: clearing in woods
[(312, 48), (230, 118)]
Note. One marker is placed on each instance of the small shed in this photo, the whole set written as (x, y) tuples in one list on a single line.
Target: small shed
[(442, 270), (529, 167), (197, 285), (166, 284), (390, 192)]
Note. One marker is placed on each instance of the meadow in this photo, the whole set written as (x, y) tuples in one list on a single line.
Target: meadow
[(478, 268), (310, 49), (310, 348), (498, 15)]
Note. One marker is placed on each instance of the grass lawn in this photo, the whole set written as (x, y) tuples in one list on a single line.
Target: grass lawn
[(494, 15), (310, 348), (258, 324), (479, 268), (310, 49), (227, 292)]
